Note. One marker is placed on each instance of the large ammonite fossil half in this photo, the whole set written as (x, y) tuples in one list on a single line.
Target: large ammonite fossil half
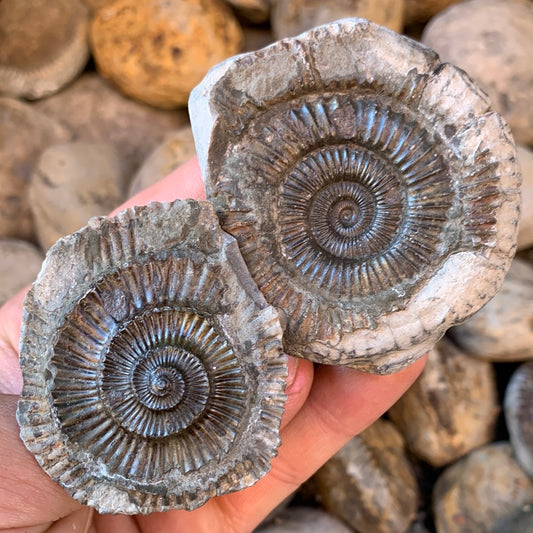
[(153, 369), (372, 190)]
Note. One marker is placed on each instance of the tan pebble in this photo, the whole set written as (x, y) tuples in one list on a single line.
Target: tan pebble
[(451, 408), (94, 5), (20, 262), (256, 38), (43, 45), (176, 148), (501, 331), (24, 133), (73, 182), (520, 521), (97, 112), (525, 227), (305, 520), (492, 41), (158, 51), (256, 11), (291, 17), (370, 483), (423, 10), (476, 493)]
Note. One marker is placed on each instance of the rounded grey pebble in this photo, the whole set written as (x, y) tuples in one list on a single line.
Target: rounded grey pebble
[(492, 41), (305, 520), (176, 148), (73, 182), (501, 331), (20, 262)]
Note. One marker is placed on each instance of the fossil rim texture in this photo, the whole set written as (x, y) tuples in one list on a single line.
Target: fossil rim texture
[(373, 192), (153, 369)]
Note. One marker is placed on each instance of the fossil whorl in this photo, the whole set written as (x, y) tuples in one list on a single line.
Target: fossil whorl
[(153, 369), (372, 190)]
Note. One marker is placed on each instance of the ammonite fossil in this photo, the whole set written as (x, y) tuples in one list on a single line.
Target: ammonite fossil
[(372, 190), (153, 370)]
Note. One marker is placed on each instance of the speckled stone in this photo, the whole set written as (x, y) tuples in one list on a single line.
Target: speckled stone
[(177, 148), (24, 133), (305, 520), (492, 40), (450, 409), (478, 492), (291, 17), (158, 51), (71, 183), (501, 331), (95, 111), (255, 11), (370, 483), (43, 45), (423, 10)]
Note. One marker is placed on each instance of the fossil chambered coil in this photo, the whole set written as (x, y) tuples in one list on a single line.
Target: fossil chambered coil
[(153, 369), (373, 192)]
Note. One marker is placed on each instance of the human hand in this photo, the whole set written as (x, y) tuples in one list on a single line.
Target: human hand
[(326, 406)]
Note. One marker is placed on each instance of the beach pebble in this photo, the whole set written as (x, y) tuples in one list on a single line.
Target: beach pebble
[(73, 182), (158, 51), (450, 409), (20, 262), (43, 45), (24, 133), (95, 111), (177, 148), (291, 17), (492, 41), (478, 492), (369, 483), (501, 331)]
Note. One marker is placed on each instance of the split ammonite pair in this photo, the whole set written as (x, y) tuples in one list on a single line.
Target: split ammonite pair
[(369, 199)]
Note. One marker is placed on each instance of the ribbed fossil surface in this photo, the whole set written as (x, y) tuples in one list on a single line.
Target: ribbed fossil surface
[(153, 370), (372, 190)]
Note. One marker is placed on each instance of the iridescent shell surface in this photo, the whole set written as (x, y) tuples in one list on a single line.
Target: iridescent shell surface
[(372, 190), (153, 368)]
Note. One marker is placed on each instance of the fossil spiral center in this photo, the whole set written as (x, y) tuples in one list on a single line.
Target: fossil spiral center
[(159, 387), (347, 214), (166, 382), (340, 213)]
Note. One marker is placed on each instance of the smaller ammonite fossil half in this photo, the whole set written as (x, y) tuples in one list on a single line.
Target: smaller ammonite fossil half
[(153, 368), (372, 190)]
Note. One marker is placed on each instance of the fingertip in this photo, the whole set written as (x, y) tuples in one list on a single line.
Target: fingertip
[(10, 324), (299, 383)]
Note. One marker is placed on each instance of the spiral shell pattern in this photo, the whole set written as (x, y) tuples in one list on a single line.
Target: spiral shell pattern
[(352, 180), (161, 383)]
